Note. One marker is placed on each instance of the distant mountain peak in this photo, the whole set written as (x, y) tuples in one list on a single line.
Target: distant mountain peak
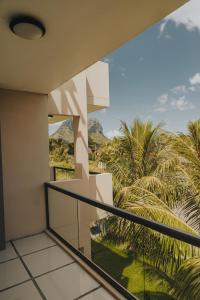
[(95, 131), (94, 126)]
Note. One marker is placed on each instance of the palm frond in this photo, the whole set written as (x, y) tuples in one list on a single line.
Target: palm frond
[(188, 280)]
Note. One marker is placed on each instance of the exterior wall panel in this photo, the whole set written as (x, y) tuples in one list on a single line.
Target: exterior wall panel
[(24, 126)]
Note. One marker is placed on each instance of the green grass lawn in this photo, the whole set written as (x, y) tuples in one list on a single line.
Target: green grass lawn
[(127, 271)]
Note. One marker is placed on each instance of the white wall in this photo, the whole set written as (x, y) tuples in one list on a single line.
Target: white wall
[(24, 125)]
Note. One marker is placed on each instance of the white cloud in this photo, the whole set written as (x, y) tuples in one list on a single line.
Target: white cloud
[(192, 88), (162, 103), (176, 97), (182, 104), (161, 109), (179, 89), (112, 133), (195, 80), (162, 30), (187, 15), (174, 101), (162, 27), (163, 99)]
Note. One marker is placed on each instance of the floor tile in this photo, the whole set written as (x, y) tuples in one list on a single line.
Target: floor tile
[(33, 243), (66, 283), (8, 253), (11, 273), (25, 291), (99, 294), (46, 260)]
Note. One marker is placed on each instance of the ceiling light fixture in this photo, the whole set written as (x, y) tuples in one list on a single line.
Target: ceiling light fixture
[(27, 27)]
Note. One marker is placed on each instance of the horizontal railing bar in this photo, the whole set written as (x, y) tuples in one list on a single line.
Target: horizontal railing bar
[(94, 173), (63, 168), (159, 227), (72, 170)]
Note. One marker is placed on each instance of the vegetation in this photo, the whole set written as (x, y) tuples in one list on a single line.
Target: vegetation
[(61, 144), (156, 175), (128, 270)]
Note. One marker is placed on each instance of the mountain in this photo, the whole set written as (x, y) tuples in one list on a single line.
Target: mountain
[(95, 132), (65, 132)]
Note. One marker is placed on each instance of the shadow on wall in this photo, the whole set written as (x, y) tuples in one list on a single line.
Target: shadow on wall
[(88, 89), (71, 93), (67, 96)]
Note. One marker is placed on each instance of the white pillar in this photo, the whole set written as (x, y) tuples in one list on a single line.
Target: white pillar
[(25, 157)]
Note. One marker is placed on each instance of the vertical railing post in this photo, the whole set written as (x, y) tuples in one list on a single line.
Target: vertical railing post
[(46, 204), (54, 173)]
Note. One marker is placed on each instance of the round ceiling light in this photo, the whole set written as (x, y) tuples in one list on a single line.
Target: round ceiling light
[(27, 27)]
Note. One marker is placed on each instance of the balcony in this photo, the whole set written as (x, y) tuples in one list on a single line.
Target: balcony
[(92, 241), (65, 262)]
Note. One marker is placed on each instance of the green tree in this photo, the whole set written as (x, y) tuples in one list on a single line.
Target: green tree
[(150, 179)]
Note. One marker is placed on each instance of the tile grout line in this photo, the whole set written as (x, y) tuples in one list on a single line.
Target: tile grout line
[(87, 293), (29, 273), (5, 261), (14, 285), (36, 251), (28, 236), (58, 268)]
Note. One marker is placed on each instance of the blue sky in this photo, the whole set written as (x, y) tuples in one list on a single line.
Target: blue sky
[(156, 76)]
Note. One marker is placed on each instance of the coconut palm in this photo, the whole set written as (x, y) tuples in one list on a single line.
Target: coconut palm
[(187, 147), (150, 179), (147, 172)]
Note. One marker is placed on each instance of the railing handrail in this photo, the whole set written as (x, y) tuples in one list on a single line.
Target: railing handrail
[(159, 227), (72, 170), (63, 168)]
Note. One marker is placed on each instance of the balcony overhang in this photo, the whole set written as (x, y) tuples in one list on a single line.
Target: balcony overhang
[(91, 84), (97, 86), (78, 33)]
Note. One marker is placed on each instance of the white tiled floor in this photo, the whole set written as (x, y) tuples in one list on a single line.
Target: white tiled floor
[(23, 291), (66, 283), (8, 253), (33, 243), (12, 272), (53, 273), (46, 260)]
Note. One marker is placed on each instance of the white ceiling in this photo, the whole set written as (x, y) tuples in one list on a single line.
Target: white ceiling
[(78, 33)]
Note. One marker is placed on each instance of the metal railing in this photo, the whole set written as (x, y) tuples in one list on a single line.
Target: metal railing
[(68, 171), (177, 234)]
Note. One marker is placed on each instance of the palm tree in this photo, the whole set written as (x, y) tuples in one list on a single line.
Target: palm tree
[(150, 180), (147, 172), (187, 147)]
